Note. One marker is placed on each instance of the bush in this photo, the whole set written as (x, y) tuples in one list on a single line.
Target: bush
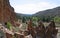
[(57, 19), (9, 25)]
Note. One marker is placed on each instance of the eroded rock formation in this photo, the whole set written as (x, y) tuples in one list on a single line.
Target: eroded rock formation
[(6, 12)]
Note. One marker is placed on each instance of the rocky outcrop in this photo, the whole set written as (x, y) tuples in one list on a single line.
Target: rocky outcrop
[(6, 12)]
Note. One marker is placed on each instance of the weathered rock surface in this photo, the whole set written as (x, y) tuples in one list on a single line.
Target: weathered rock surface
[(6, 12)]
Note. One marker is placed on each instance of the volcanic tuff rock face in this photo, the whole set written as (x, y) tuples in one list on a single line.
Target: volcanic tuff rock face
[(6, 11)]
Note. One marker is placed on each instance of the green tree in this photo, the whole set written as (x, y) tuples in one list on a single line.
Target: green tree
[(35, 18), (57, 19)]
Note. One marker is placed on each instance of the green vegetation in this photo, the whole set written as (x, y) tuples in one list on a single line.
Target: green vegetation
[(57, 19), (35, 18), (9, 25)]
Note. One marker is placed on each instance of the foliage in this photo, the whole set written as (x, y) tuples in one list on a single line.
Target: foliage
[(23, 19), (9, 25), (57, 19), (35, 18)]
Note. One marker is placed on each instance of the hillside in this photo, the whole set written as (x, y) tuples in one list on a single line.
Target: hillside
[(19, 15), (50, 12)]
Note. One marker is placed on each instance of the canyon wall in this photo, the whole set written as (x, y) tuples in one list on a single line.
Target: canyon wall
[(7, 12)]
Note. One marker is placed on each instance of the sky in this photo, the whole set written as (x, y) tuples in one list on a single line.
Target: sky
[(33, 6)]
